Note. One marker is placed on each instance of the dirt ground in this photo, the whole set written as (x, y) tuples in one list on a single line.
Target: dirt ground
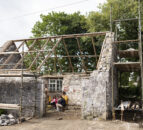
[(54, 124)]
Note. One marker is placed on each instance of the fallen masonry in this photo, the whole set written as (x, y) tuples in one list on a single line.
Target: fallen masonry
[(8, 120)]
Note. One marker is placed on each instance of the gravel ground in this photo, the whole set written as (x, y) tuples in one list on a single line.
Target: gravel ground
[(54, 124)]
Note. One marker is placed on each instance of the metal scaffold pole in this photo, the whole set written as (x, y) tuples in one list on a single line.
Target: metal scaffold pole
[(140, 47), (111, 19), (21, 87)]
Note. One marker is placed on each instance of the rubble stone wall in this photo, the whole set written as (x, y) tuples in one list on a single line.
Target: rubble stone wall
[(32, 92), (73, 88), (97, 89)]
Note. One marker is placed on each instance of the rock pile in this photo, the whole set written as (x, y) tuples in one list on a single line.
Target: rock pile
[(7, 120)]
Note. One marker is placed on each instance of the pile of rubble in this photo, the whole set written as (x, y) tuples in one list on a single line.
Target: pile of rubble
[(8, 120)]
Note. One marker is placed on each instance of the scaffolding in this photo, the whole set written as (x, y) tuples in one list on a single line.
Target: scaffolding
[(27, 47), (128, 66)]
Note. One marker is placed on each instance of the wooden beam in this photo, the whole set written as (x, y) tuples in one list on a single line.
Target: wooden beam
[(47, 57), (64, 36), (122, 20), (56, 57), (72, 68), (126, 41), (9, 106), (29, 49), (32, 45), (81, 53), (17, 75), (127, 66), (93, 43), (10, 57), (128, 53), (39, 54), (58, 61), (6, 45), (13, 70)]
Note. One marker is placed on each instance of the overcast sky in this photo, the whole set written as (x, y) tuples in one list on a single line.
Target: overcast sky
[(17, 17)]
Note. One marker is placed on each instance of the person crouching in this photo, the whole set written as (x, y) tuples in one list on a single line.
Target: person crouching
[(61, 103)]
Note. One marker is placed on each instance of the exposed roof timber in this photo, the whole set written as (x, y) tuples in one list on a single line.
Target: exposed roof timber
[(41, 54), (30, 48), (68, 55), (63, 36), (47, 57), (17, 75), (81, 53), (93, 43), (12, 70), (9, 58), (56, 57)]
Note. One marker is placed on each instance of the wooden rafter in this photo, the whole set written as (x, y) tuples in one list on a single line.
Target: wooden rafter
[(55, 53), (39, 53), (65, 36), (30, 48), (45, 54), (6, 45), (72, 68), (48, 56), (81, 53), (56, 58), (42, 52), (93, 43), (71, 56)]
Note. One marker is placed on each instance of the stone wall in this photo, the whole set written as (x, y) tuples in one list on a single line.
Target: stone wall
[(97, 89), (31, 94), (93, 92), (72, 86)]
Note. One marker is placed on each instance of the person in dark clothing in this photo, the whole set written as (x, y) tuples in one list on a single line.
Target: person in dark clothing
[(61, 103)]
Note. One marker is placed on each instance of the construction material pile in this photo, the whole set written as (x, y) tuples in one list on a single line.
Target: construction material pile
[(8, 120)]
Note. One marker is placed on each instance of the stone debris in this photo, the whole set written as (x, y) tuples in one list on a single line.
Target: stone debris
[(60, 118), (6, 120)]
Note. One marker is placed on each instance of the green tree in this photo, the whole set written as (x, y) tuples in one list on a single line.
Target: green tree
[(121, 9), (59, 24), (127, 30)]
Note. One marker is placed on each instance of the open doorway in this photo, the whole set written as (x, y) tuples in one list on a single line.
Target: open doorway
[(53, 90)]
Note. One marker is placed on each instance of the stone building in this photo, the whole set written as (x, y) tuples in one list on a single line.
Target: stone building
[(92, 91)]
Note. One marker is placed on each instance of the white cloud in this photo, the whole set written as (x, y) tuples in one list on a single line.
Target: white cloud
[(14, 25)]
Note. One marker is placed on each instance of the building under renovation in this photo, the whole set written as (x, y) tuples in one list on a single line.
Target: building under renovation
[(90, 79)]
